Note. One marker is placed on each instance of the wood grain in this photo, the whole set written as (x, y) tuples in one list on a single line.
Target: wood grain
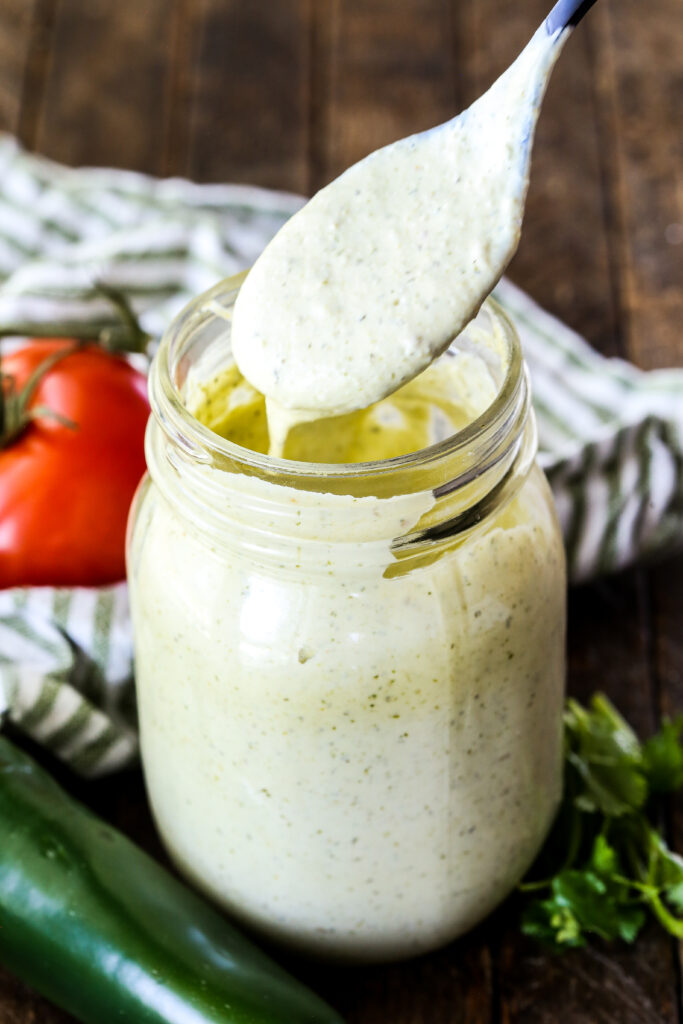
[(17, 20), (666, 583), (106, 91), (667, 643), (639, 115), (392, 73), (609, 637), (249, 118), (288, 94), (185, 22), (18, 1005), (640, 90), (593, 986), (563, 259), (452, 986)]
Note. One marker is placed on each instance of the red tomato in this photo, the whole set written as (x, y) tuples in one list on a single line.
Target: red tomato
[(64, 491)]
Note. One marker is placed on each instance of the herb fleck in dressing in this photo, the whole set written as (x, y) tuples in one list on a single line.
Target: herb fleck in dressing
[(354, 748), (357, 755), (442, 400), (375, 276)]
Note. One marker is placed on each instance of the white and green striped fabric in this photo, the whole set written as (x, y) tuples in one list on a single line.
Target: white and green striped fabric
[(611, 437)]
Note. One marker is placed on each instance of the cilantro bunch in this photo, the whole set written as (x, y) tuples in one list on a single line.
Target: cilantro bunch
[(605, 864)]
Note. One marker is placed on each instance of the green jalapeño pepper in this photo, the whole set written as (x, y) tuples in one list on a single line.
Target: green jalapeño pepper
[(104, 931)]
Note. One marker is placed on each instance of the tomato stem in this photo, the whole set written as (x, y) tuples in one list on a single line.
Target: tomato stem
[(124, 335), (15, 416), (138, 339)]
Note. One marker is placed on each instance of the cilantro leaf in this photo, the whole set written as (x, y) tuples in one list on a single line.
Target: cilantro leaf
[(588, 901), (605, 753), (552, 924), (664, 880), (605, 864), (602, 906), (604, 858), (663, 758)]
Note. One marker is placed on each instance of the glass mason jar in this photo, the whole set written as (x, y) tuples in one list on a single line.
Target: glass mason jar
[(350, 677)]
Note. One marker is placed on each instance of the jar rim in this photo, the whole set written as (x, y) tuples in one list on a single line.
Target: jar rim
[(472, 443)]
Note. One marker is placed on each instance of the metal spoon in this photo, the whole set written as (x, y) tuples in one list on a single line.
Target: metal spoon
[(567, 14), (372, 279)]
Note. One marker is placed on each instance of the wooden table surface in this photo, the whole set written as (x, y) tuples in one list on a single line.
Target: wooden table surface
[(287, 93)]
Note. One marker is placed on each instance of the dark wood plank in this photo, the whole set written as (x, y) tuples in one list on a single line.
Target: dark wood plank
[(667, 603), (250, 107), (16, 22), (609, 624), (185, 26), (640, 90), (589, 987), (392, 70), (25, 35), (106, 94), (567, 260), (289, 94), (563, 259), (322, 35), (452, 986), (19, 1005), (35, 74), (609, 644), (640, 113), (667, 615)]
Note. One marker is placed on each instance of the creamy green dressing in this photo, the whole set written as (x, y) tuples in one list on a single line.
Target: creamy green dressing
[(357, 763), (357, 753), (375, 276), (442, 400)]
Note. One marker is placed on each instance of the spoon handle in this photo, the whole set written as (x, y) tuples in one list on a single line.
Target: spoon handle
[(566, 14)]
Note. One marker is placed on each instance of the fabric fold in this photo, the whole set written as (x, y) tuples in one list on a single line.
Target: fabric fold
[(610, 435)]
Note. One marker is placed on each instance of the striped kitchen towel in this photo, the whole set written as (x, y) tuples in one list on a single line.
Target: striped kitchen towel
[(611, 436)]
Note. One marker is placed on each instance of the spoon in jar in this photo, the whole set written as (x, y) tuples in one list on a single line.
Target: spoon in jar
[(373, 278)]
